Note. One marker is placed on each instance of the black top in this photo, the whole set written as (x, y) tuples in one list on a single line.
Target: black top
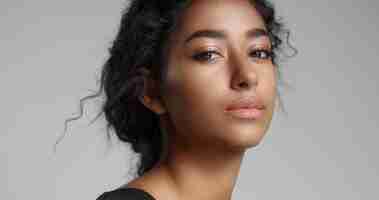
[(126, 194)]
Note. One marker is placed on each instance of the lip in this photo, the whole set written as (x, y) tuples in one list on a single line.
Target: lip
[(251, 113), (246, 108)]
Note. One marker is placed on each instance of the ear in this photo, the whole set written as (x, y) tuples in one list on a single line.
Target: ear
[(150, 96)]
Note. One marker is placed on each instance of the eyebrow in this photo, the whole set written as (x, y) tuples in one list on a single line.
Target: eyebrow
[(220, 34)]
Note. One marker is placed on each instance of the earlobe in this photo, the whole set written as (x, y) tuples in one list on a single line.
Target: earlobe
[(150, 95), (154, 104)]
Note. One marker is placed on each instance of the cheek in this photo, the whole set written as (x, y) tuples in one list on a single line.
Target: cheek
[(191, 100), (269, 84), (189, 90), (270, 92)]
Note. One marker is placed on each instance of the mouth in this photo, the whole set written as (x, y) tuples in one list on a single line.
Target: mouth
[(246, 108), (246, 113)]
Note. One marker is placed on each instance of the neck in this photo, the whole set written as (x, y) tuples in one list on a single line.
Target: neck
[(201, 171), (203, 174), (190, 171)]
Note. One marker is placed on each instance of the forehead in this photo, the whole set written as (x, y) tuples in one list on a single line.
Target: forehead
[(229, 15)]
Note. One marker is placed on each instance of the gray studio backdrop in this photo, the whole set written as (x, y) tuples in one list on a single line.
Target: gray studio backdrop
[(324, 148)]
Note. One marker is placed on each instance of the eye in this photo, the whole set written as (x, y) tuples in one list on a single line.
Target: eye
[(206, 56), (262, 54)]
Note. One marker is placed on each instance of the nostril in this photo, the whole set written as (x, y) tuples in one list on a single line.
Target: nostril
[(243, 85)]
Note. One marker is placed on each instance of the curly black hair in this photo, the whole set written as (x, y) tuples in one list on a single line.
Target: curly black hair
[(140, 44)]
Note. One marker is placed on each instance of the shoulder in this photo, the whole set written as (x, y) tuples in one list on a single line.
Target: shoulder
[(126, 194)]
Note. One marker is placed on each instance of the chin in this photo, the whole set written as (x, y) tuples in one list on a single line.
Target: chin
[(245, 139), (244, 134)]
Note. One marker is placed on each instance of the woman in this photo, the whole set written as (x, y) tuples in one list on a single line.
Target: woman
[(191, 85)]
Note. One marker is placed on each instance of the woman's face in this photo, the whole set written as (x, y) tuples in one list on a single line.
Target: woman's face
[(218, 56)]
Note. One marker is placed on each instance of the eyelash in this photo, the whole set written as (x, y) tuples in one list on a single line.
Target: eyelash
[(204, 56), (269, 53)]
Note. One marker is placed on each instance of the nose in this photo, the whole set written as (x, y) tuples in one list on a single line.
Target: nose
[(244, 76)]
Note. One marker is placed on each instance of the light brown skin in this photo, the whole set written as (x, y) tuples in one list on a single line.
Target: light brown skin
[(206, 146)]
